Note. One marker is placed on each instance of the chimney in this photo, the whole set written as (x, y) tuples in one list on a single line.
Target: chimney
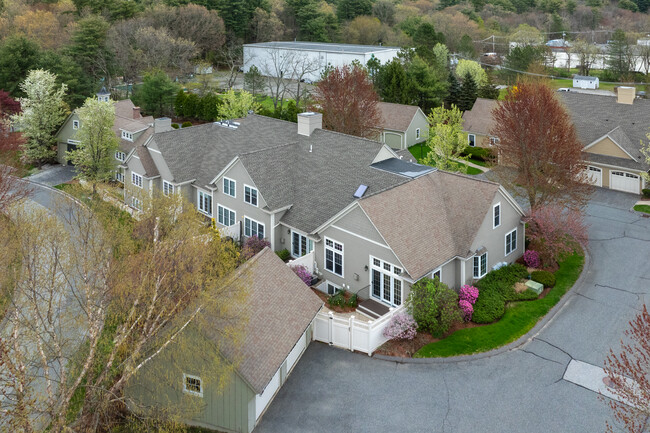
[(164, 124), (309, 121), (136, 113), (625, 95)]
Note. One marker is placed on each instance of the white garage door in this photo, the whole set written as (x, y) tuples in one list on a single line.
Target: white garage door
[(624, 181), (595, 175)]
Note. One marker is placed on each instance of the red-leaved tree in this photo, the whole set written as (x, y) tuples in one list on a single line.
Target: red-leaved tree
[(348, 101), (629, 377), (540, 155), (553, 231), (8, 105), (12, 189)]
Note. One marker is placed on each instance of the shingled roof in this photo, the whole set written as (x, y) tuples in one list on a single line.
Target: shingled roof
[(397, 117), (124, 120), (279, 308), (446, 208), (317, 175), (479, 119)]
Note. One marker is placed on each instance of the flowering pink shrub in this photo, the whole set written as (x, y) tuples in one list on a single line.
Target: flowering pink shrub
[(531, 258), (467, 309), (303, 273), (401, 327), (252, 246), (468, 293)]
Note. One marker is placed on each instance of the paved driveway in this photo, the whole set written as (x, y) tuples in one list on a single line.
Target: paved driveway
[(522, 390), (54, 175)]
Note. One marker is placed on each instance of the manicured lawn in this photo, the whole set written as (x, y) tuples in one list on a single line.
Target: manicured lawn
[(478, 162), (642, 208), (519, 318), (417, 153)]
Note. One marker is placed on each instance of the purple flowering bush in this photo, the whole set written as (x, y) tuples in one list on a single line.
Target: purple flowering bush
[(252, 246), (303, 273), (468, 293), (467, 309), (401, 327), (531, 258)]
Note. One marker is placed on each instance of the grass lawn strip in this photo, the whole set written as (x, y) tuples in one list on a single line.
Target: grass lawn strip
[(642, 208), (519, 318)]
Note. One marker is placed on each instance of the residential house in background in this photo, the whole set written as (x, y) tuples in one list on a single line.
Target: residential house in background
[(279, 312), (478, 122), (130, 127), (402, 126), (611, 130), (371, 222)]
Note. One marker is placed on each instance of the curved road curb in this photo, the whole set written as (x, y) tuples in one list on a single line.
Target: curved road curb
[(524, 339)]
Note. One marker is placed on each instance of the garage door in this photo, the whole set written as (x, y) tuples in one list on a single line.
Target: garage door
[(624, 181), (595, 175)]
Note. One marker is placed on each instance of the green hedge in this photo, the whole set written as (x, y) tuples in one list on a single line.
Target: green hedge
[(481, 153), (543, 277), (284, 254), (495, 289)]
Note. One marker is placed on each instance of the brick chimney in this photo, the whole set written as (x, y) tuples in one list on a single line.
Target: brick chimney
[(308, 122), (625, 95), (136, 113)]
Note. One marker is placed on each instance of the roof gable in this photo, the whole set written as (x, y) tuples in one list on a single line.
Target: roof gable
[(479, 119), (396, 117)]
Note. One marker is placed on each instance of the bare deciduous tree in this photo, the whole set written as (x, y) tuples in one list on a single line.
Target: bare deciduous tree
[(231, 55), (302, 67)]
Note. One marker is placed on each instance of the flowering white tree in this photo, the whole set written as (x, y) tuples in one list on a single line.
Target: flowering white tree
[(94, 158), (43, 111)]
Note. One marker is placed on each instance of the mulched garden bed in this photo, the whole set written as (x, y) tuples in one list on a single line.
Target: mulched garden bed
[(336, 309), (406, 348)]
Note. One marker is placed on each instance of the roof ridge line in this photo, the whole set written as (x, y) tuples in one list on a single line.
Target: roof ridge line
[(277, 146)]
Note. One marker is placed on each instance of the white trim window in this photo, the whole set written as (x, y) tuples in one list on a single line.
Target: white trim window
[(136, 179), (437, 274), (334, 256), (253, 228), (332, 288), (127, 135), (119, 176), (480, 265), (417, 133), (136, 203), (192, 385), (300, 245), (225, 216), (385, 281), (168, 188), (229, 187), (250, 195), (511, 242), (471, 140), (204, 202), (120, 156), (496, 215), (75, 124)]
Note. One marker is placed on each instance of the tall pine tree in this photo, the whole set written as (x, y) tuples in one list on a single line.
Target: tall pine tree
[(453, 95), (468, 93)]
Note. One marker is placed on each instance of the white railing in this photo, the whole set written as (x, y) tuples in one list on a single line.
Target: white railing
[(307, 261), (232, 231), (350, 333)]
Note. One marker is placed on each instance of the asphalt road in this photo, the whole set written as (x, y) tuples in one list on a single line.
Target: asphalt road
[(522, 390)]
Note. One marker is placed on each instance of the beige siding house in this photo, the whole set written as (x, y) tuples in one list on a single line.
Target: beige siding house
[(402, 126), (477, 123), (270, 349)]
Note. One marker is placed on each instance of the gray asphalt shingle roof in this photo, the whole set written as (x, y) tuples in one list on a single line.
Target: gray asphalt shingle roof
[(317, 183), (201, 152), (397, 117)]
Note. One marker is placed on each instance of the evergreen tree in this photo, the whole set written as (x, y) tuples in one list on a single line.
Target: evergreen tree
[(349, 9), (619, 54), (468, 93), (157, 94), (179, 103), (453, 91), (209, 108), (254, 82), (17, 56), (466, 47), (88, 47), (488, 90), (425, 85), (394, 83)]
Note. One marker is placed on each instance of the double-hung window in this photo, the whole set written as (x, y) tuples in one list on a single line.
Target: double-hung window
[(120, 156), (204, 203), (119, 176), (225, 216), (250, 195), (471, 140), (192, 385), (385, 281), (496, 211), (168, 188), (480, 265), (229, 187), (253, 228), (334, 256), (417, 133), (136, 203), (300, 245), (136, 179), (75, 124), (511, 241)]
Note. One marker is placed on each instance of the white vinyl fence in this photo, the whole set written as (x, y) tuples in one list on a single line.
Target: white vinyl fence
[(350, 333), (307, 261)]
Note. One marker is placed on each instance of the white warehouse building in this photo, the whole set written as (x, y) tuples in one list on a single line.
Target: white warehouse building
[(309, 59)]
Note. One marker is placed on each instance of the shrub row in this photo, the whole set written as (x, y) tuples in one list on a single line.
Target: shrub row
[(543, 277), (497, 288), (481, 153)]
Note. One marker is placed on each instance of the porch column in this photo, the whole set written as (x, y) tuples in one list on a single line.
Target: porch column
[(272, 238), (462, 272)]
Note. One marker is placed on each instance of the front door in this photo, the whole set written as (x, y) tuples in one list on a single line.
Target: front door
[(386, 283), (71, 147)]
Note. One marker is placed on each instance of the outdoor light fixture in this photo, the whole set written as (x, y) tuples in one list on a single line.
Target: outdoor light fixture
[(365, 268)]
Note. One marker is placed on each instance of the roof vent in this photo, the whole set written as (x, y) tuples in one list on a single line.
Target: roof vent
[(228, 124), (361, 191)]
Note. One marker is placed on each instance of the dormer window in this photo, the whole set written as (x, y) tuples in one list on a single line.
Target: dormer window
[(127, 135), (103, 98), (120, 156)]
